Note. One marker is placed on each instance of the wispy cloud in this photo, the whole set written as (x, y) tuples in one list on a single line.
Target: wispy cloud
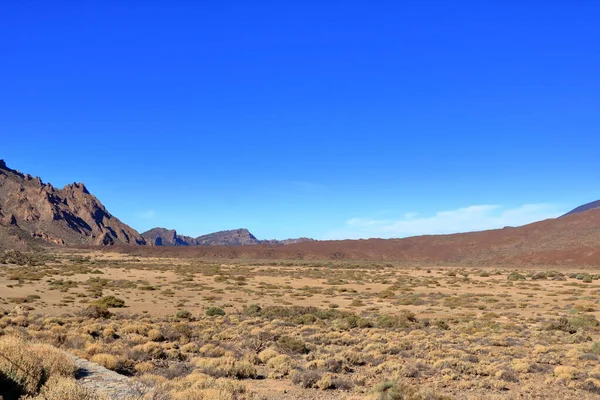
[(472, 218), (150, 214)]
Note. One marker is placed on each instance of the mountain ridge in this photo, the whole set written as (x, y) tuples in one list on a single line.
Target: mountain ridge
[(233, 237), (34, 213), (32, 209)]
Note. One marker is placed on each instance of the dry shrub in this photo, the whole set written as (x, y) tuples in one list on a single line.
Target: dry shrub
[(30, 365), (61, 388), (144, 367), (565, 372), (281, 365), (198, 386), (225, 367), (95, 311), (331, 381), (140, 329), (212, 350), (94, 348), (110, 302), (591, 385), (290, 345), (108, 361), (326, 382), (54, 361), (506, 375), (109, 333), (306, 379), (402, 391), (149, 350), (20, 365), (190, 348), (265, 355), (521, 366), (155, 335)]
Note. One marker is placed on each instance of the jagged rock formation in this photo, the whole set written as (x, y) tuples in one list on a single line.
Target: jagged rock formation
[(234, 237), (167, 237), (67, 216)]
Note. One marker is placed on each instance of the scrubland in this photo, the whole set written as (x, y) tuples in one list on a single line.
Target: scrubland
[(205, 329)]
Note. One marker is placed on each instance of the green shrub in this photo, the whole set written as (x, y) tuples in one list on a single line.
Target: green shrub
[(402, 391), (386, 294), (183, 314), (516, 277), (441, 324), (110, 302), (252, 310), (214, 311), (95, 311), (403, 320), (354, 321), (539, 276), (583, 322), (289, 345)]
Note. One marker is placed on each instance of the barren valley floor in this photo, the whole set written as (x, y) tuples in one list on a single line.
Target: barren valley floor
[(313, 330)]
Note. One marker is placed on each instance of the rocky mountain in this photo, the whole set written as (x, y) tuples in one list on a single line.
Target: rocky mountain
[(585, 207), (167, 237), (32, 209), (234, 237)]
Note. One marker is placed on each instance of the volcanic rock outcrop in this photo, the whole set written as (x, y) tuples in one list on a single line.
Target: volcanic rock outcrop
[(67, 216)]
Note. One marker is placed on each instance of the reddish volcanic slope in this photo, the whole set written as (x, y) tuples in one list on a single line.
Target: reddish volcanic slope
[(569, 240)]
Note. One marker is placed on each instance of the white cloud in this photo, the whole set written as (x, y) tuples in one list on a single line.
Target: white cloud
[(150, 214), (467, 219)]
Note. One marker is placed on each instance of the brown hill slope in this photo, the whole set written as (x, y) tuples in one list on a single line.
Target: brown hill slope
[(572, 240), (586, 207), (30, 208)]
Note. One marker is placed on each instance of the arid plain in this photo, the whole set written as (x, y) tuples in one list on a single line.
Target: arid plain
[(285, 329)]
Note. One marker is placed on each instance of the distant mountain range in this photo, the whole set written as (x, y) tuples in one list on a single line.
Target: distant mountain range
[(33, 212), (36, 213), (235, 237)]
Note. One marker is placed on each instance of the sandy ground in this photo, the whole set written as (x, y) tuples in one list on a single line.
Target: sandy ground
[(160, 287)]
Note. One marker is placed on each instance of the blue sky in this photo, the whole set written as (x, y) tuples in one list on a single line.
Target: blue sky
[(326, 119)]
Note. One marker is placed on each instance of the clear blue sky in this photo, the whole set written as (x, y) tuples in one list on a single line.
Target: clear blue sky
[(327, 119)]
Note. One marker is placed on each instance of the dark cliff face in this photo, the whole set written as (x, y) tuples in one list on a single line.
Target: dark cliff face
[(235, 237), (67, 216), (167, 237)]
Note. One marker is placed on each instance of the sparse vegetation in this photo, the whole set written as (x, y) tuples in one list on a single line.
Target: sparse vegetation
[(430, 332)]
